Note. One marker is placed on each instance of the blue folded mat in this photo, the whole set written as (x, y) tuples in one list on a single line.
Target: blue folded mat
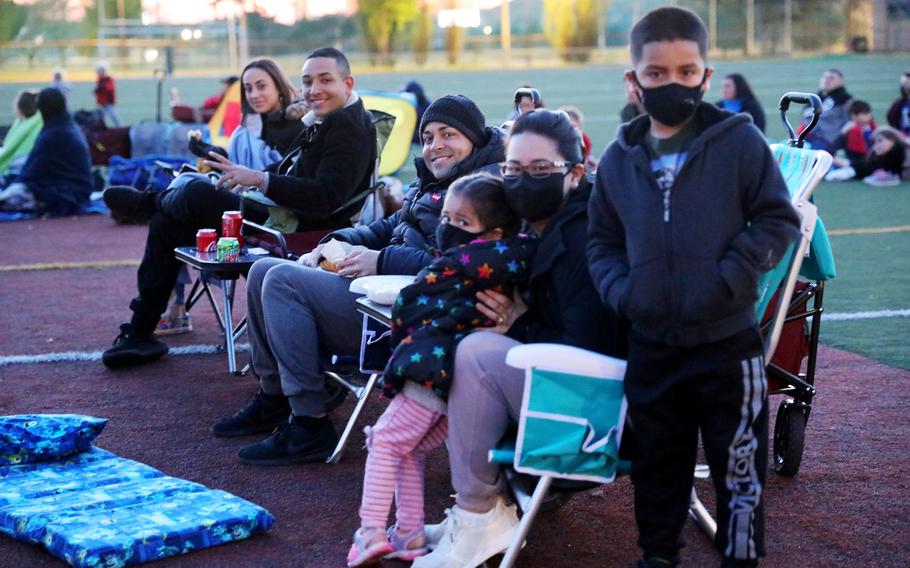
[(97, 509)]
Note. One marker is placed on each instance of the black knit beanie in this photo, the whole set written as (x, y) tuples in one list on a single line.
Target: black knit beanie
[(459, 112)]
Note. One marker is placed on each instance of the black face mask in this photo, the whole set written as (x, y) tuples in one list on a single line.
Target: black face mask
[(448, 236), (671, 104), (535, 198)]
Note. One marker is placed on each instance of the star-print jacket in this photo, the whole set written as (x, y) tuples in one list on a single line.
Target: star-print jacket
[(434, 313)]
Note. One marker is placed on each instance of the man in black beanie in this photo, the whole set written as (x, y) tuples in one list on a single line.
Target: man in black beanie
[(300, 308), (57, 176)]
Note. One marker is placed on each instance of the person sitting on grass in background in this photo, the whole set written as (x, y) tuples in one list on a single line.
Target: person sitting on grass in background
[(328, 164), (899, 111), (578, 121), (269, 126), (835, 102), (689, 209), (480, 250), (738, 97), (300, 314), (22, 135), (881, 166), (56, 178)]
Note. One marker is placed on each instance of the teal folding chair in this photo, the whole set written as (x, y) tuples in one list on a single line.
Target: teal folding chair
[(570, 428)]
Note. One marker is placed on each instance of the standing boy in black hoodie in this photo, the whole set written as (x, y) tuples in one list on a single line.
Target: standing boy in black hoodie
[(689, 208)]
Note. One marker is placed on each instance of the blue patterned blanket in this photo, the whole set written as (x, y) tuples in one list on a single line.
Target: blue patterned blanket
[(98, 509)]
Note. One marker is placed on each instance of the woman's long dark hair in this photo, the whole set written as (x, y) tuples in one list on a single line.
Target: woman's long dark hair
[(743, 90), (554, 125), (286, 91)]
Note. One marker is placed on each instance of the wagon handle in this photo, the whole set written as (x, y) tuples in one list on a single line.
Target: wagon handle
[(804, 99)]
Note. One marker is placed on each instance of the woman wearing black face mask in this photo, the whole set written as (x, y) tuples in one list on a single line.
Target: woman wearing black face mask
[(544, 182)]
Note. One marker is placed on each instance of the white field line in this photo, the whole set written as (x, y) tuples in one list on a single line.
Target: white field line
[(79, 356), (835, 316)]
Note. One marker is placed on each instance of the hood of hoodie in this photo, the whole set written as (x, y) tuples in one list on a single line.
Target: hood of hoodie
[(493, 152), (840, 95), (710, 121)]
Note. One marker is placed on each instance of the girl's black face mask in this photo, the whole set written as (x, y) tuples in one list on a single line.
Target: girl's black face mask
[(671, 104), (448, 236), (534, 198)]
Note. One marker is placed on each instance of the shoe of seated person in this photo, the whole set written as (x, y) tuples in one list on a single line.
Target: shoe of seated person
[(175, 321), (882, 178), (472, 538), (299, 440), (129, 205), (131, 348), (262, 413)]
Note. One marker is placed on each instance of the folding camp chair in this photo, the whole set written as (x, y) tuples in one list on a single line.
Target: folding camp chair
[(811, 258), (572, 417)]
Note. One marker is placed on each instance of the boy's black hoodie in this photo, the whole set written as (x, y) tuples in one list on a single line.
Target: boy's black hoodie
[(693, 279)]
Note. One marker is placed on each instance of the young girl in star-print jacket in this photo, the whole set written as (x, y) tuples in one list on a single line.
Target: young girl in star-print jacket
[(480, 250)]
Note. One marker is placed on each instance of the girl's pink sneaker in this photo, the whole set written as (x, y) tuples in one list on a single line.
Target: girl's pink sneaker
[(407, 547), (369, 546)]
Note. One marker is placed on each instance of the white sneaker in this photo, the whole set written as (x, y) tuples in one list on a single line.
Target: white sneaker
[(433, 533), (471, 538), (841, 174)]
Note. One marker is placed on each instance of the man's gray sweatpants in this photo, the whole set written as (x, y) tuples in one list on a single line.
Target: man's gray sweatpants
[(485, 397), (297, 314)]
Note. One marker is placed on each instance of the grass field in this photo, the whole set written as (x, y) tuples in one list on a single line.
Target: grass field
[(872, 272)]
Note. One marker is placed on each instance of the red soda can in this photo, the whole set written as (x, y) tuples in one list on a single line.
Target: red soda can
[(231, 222), (206, 240)]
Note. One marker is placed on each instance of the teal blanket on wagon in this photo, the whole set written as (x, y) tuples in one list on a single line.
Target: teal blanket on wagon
[(97, 509)]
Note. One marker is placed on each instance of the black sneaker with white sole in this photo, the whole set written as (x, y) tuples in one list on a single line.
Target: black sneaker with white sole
[(130, 349)]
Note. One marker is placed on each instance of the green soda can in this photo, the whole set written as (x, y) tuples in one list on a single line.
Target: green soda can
[(228, 249)]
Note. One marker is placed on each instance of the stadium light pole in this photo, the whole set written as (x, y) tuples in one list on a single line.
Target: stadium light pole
[(788, 26), (712, 26), (750, 27), (100, 30), (505, 32)]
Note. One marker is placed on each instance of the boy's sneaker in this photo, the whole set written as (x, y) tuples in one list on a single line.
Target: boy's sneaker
[(262, 413), (369, 547), (882, 178), (294, 443), (472, 538), (130, 348), (175, 321), (658, 562), (129, 205)]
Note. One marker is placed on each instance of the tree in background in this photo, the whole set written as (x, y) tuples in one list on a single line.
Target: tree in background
[(422, 33), (12, 19), (380, 21), (571, 26), (131, 10)]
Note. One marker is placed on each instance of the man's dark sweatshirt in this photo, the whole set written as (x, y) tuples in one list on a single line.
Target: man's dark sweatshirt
[(692, 279)]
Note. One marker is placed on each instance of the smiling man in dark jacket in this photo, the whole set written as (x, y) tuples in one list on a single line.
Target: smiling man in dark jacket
[(330, 162), (298, 312)]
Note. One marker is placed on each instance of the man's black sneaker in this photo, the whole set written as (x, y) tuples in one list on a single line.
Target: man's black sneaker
[(262, 413), (129, 205), (293, 443), (132, 349)]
